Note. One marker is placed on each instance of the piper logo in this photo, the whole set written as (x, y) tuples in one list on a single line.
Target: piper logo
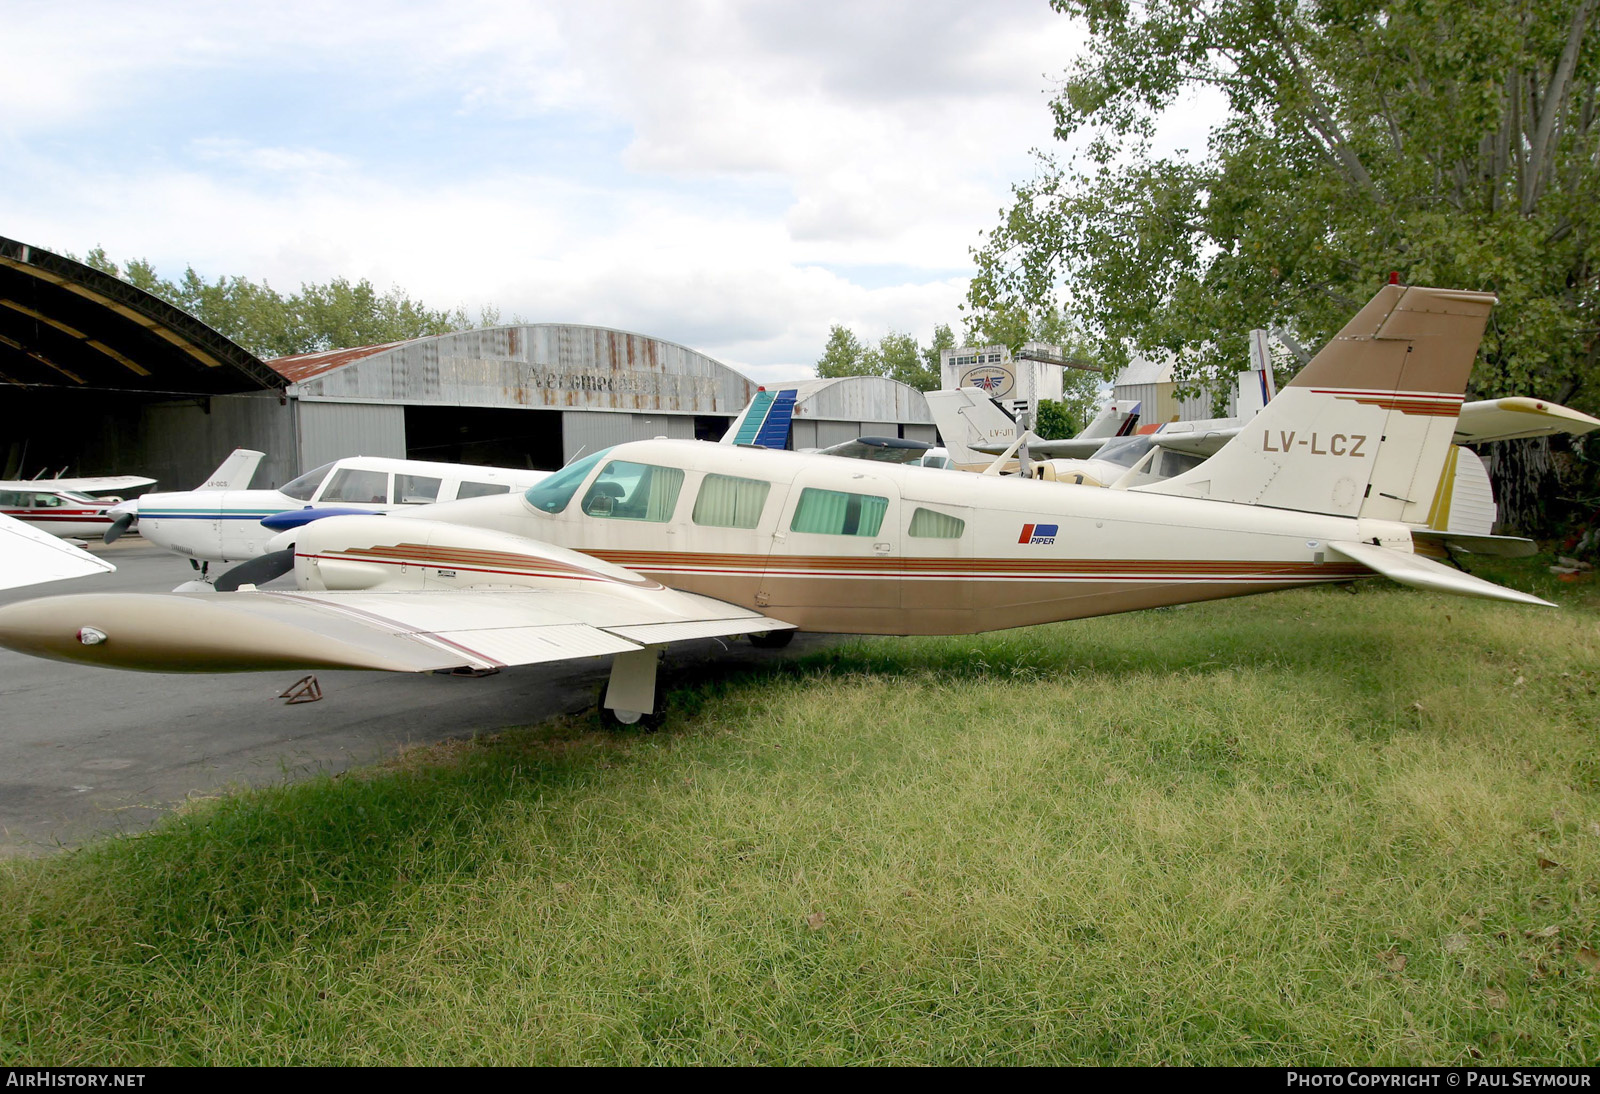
[(1038, 533)]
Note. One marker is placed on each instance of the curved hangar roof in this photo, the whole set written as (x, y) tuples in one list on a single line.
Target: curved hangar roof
[(67, 325), (557, 366)]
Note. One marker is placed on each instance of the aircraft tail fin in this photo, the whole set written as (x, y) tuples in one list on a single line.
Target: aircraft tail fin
[(1116, 419), (1365, 429), (967, 417), (765, 421), (235, 472)]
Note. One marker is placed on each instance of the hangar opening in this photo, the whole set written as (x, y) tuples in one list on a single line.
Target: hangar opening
[(484, 435), (102, 378)]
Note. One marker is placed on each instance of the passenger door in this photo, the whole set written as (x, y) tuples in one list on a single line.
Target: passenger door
[(835, 558)]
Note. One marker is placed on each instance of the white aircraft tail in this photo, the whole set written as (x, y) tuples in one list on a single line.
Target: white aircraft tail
[(1116, 419), (1365, 429), (235, 472), (967, 416)]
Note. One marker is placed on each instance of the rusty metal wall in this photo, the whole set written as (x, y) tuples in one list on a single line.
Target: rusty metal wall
[(550, 365), (329, 431)]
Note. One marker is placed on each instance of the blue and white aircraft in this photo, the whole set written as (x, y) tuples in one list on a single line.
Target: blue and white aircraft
[(222, 523)]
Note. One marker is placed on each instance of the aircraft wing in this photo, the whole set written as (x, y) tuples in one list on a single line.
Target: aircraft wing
[(100, 485), (879, 449), (402, 631), (1512, 418), (1424, 573), (1195, 442), (31, 557), (1075, 448)]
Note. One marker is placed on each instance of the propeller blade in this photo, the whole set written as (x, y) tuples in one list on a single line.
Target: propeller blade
[(258, 571), (119, 526)]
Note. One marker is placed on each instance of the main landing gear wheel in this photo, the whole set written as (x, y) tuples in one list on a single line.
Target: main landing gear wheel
[(771, 640), (631, 699), (620, 720)]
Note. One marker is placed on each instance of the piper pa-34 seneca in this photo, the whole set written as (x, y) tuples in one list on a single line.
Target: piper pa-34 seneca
[(655, 541)]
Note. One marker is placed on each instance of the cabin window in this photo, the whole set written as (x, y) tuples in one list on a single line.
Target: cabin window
[(727, 502), (9, 499), (357, 484), (927, 524), (835, 513), (634, 491), (302, 488), (416, 489), (552, 495), (481, 489)]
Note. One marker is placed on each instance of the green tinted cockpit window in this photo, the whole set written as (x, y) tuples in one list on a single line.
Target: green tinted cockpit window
[(552, 495)]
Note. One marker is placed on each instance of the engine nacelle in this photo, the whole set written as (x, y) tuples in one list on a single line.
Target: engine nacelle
[(389, 552)]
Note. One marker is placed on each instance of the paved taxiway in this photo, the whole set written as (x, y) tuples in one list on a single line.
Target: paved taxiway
[(86, 751)]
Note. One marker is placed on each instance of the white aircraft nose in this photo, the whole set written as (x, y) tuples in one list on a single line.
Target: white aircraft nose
[(123, 508)]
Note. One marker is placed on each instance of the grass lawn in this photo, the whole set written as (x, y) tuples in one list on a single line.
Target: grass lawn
[(1304, 828)]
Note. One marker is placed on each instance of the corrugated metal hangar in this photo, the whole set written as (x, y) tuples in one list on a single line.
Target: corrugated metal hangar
[(103, 378)]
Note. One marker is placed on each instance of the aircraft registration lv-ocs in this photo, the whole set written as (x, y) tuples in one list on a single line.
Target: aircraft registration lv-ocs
[(655, 541)]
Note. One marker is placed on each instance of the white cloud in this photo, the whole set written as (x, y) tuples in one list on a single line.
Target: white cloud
[(733, 161)]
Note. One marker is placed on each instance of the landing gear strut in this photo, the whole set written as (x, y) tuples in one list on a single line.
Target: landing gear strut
[(629, 697)]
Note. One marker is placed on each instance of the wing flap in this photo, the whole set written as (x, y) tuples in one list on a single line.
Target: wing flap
[(651, 634), (533, 645), (1424, 573)]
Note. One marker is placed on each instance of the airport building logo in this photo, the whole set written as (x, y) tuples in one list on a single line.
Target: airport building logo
[(995, 380)]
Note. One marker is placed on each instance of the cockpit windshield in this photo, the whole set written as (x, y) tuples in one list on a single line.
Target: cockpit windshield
[(552, 494), (306, 485), (1124, 451)]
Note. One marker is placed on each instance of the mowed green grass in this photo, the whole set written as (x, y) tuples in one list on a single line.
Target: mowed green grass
[(1304, 828)]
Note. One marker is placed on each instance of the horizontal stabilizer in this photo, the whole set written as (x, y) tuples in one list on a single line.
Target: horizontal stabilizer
[(1517, 417), (1496, 546), (1424, 573)]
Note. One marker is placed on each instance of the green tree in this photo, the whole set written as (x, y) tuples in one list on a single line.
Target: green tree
[(1055, 421), (943, 338), (842, 356), (895, 355), (337, 315), (1452, 141)]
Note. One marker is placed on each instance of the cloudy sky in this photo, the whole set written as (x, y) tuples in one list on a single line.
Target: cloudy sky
[(736, 176)]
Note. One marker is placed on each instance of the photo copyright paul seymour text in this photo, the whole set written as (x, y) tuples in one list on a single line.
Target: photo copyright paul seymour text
[(1435, 1079)]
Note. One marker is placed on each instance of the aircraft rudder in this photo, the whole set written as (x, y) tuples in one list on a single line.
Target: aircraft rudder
[(1365, 429)]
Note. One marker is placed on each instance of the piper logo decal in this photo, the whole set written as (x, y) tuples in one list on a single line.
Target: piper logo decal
[(1038, 533)]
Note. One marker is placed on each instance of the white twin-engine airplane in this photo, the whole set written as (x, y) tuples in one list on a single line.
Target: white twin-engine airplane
[(222, 521), (651, 542)]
